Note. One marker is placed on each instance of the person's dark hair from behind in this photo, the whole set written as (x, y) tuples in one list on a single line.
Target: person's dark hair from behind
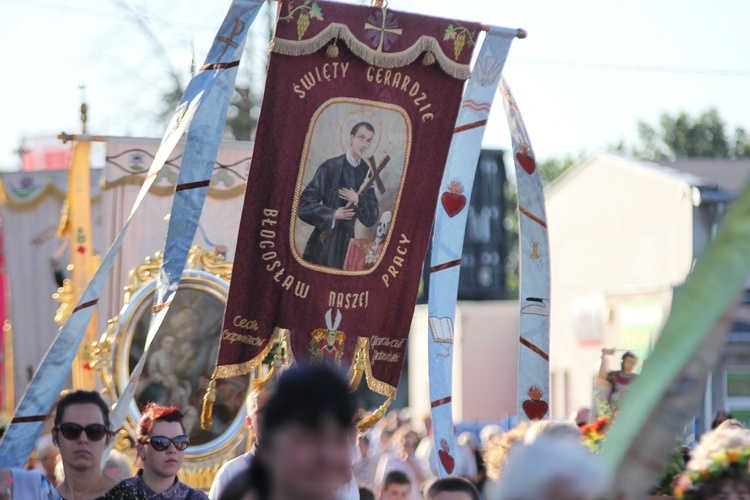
[(366, 494), (719, 417), (308, 397), (452, 485), (395, 477)]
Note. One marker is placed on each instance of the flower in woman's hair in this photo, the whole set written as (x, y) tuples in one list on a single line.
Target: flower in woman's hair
[(734, 455), (721, 459), (682, 485)]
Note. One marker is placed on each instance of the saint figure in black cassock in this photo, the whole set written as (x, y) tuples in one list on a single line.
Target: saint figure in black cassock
[(332, 205)]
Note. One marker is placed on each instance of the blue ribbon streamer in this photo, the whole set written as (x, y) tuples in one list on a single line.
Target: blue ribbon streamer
[(196, 170), (533, 249), (450, 227), (51, 375)]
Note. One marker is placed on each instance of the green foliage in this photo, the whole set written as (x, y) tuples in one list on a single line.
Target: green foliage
[(682, 136), (316, 12), (675, 468)]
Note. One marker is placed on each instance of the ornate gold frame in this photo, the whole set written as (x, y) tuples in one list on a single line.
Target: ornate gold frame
[(206, 272)]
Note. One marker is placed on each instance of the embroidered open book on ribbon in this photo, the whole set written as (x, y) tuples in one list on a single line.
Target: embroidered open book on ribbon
[(358, 115)]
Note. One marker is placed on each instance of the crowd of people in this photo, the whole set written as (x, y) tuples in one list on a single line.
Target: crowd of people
[(307, 447)]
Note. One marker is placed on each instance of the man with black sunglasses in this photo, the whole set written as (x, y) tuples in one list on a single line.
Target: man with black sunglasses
[(161, 447)]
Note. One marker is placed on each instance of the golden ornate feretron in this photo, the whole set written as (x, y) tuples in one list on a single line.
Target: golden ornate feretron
[(205, 272)]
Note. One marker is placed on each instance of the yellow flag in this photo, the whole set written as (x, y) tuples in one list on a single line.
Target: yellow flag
[(81, 247)]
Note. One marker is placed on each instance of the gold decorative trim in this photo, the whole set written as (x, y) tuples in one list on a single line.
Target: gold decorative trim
[(370, 56), (239, 369), (198, 259), (374, 384), (48, 190), (357, 368)]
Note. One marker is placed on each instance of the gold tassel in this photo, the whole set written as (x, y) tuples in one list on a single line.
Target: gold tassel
[(207, 412), (278, 361), (428, 59), (366, 423), (332, 51), (359, 370)]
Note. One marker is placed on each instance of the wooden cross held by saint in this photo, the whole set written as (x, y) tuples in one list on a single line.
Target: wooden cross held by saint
[(373, 177)]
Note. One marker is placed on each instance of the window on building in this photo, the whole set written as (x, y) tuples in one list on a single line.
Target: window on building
[(737, 388)]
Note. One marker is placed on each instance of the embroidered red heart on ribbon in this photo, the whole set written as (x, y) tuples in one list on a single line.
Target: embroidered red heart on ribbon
[(449, 463), (535, 409), (527, 162), (453, 203)]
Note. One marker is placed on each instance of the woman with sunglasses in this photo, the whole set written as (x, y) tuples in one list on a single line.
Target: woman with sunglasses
[(161, 447), (81, 432)]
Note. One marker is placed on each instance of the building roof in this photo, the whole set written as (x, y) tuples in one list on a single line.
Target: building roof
[(600, 157), (720, 173), (718, 179)]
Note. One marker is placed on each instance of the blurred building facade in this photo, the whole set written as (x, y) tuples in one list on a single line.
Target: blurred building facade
[(624, 235)]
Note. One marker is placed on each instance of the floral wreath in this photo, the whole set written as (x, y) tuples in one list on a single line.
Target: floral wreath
[(731, 463)]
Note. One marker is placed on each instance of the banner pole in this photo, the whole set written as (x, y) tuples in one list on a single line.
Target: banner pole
[(81, 137)]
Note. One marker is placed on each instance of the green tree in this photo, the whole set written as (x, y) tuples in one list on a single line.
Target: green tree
[(682, 136), (741, 147)]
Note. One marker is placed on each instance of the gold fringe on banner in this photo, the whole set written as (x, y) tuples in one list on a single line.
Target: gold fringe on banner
[(369, 55), (280, 337), (284, 355), (228, 371), (387, 390), (278, 362)]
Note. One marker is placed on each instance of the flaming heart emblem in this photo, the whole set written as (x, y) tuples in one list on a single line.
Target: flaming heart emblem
[(453, 200), (534, 407), (527, 162)]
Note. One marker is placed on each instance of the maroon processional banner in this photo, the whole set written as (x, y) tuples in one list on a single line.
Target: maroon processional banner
[(357, 118)]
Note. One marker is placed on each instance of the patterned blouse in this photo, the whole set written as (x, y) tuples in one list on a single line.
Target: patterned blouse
[(123, 492), (178, 490)]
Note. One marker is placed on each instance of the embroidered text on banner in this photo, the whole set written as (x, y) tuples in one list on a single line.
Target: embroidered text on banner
[(356, 123)]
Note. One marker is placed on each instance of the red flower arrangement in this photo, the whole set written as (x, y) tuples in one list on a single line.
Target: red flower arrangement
[(595, 433)]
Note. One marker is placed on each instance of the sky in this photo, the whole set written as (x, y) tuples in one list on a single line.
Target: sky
[(587, 73)]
